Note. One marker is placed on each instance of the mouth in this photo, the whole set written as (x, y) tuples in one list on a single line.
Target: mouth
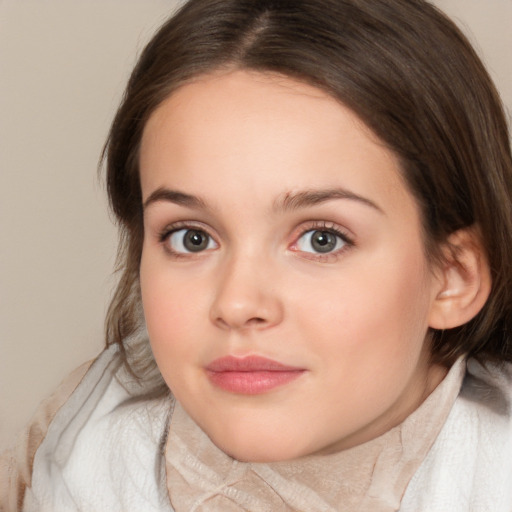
[(250, 375)]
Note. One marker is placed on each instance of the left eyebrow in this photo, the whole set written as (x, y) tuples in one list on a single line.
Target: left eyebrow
[(174, 196), (305, 198)]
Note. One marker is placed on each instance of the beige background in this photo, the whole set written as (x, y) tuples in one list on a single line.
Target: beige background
[(63, 65)]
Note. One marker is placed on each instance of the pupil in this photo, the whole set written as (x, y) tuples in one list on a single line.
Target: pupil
[(195, 240), (323, 241)]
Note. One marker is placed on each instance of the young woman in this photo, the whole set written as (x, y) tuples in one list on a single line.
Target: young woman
[(314, 312)]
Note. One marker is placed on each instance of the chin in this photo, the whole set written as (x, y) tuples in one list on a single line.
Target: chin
[(259, 456), (259, 451)]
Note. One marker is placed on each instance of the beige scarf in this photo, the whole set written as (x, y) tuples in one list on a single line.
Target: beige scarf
[(369, 477)]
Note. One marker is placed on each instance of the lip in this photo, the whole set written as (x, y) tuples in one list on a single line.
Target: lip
[(250, 375)]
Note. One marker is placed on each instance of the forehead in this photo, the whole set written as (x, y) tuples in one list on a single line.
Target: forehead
[(262, 135)]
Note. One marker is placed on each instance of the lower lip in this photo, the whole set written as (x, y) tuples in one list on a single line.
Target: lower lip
[(252, 382)]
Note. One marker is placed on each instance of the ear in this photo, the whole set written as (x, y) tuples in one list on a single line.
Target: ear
[(464, 281)]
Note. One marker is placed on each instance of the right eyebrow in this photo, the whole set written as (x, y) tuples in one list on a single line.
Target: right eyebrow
[(308, 198), (174, 196)]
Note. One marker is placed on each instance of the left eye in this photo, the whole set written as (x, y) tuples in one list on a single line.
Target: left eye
[(190, 240), (318, 241)]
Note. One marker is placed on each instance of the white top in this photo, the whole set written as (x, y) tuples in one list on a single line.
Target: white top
[(108, 451)]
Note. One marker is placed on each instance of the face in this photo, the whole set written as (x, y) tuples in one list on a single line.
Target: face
[(283, 275)]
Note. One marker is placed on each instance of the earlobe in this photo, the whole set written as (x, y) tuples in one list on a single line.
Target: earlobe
[(464, 281)]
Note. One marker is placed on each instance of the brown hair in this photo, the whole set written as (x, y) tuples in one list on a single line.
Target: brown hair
[(402, 67)]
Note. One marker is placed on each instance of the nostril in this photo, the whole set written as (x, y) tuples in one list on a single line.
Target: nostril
[(222, 323), (256, 321), (251, 322)]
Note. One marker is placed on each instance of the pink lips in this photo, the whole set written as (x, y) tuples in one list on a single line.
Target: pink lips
[(250, 375)]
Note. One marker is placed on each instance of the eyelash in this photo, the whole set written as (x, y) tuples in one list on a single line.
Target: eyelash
[(328, 227), (169, 230)]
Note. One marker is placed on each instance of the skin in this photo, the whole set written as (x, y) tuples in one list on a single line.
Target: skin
[(250, 148)]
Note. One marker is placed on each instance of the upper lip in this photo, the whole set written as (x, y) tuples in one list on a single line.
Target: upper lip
[(249, 364)]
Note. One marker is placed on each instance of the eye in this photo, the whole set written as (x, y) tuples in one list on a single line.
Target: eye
[(320, 241), (190, 241)]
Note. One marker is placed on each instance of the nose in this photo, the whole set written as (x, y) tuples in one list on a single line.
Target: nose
[(246, 296)]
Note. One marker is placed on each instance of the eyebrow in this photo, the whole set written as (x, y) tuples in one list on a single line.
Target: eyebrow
[(290, 201), (176, 197), (305, 198)]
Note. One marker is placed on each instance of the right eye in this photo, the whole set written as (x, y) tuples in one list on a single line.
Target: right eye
[(189, 241), (321, 241)]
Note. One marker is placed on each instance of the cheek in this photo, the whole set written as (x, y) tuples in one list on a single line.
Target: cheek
[(376, 310), (171, 309), (171, 319)]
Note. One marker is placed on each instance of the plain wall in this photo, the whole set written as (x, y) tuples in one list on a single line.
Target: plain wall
[(63, 66)]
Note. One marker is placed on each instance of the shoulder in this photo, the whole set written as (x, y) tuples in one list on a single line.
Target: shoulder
[(470, 464), (100, 449), (16, 463)]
